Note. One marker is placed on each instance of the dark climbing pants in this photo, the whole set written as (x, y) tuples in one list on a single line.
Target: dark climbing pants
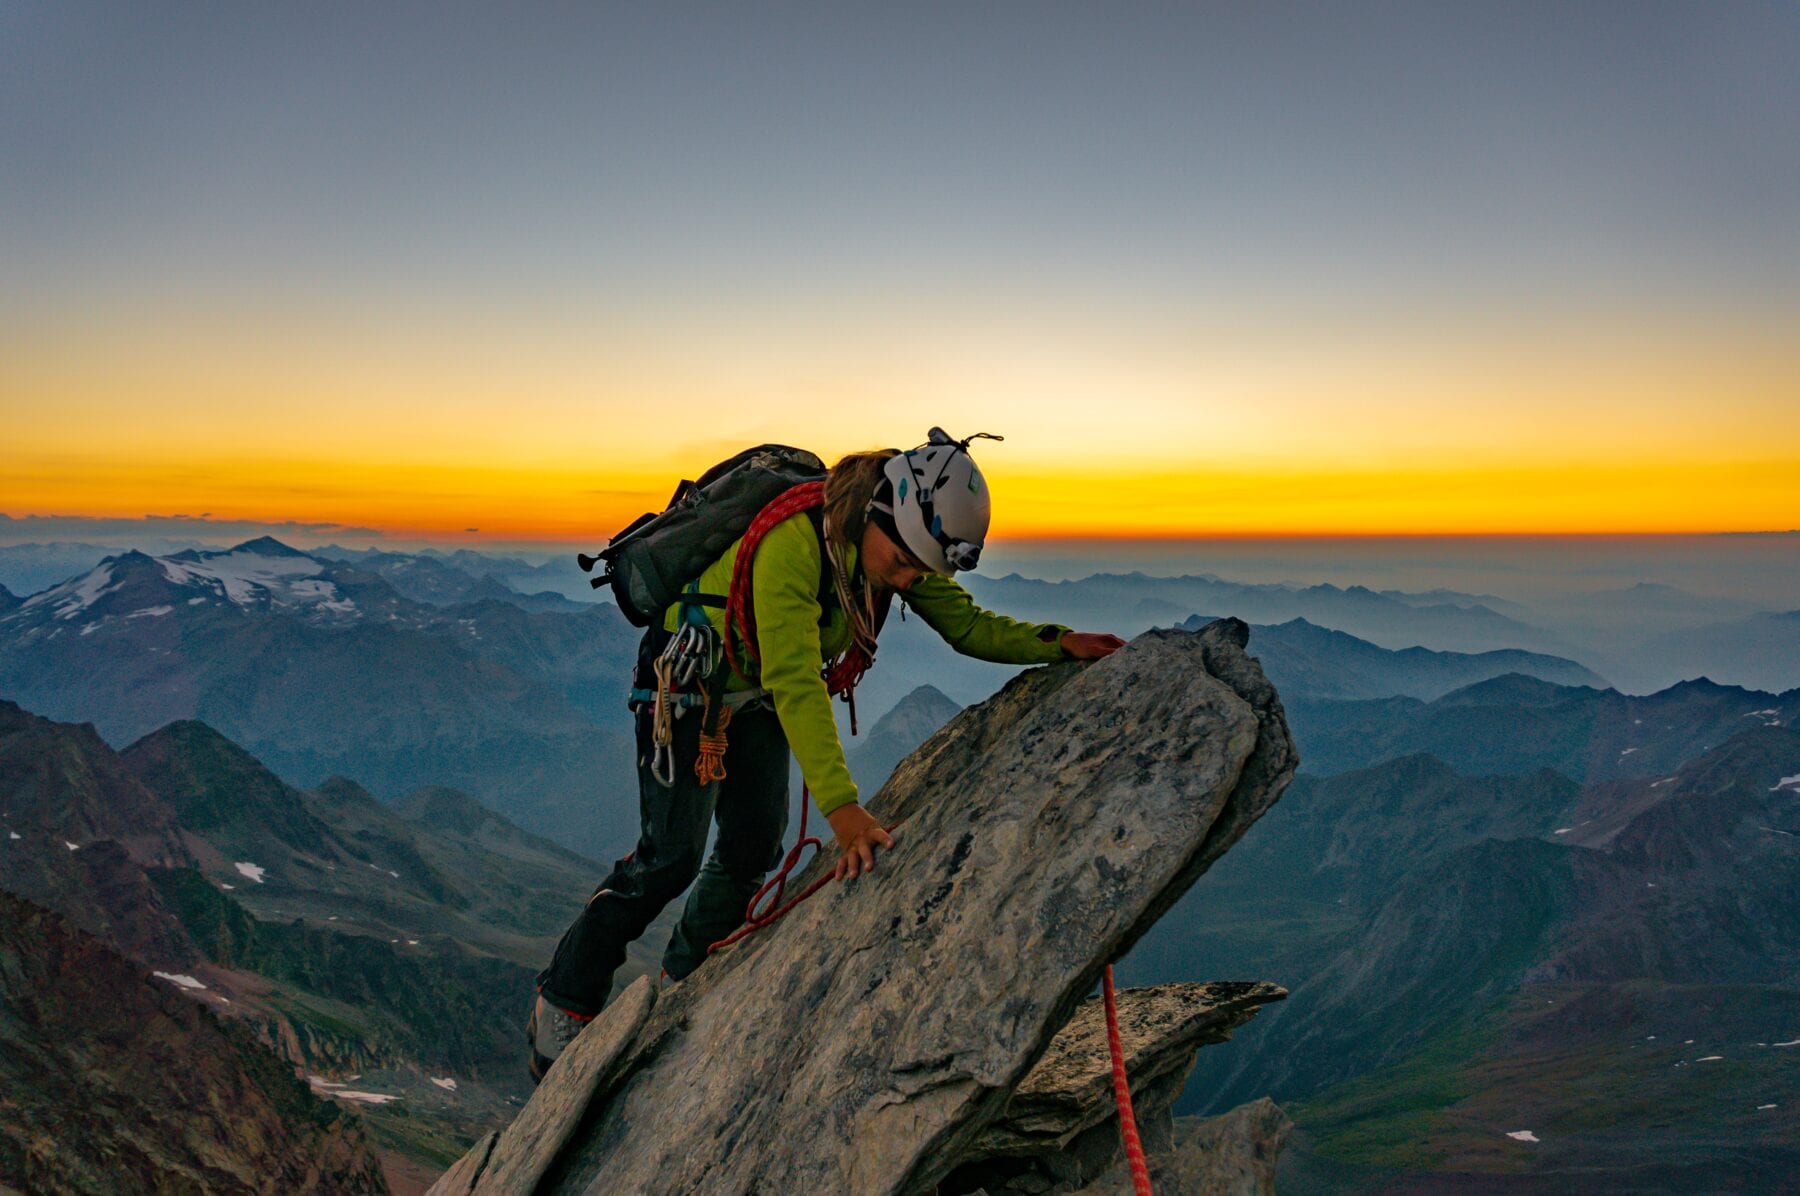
[(750, 805)]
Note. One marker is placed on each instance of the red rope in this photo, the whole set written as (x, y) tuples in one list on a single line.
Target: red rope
[(740, 602), (753, 920), (1134, 1146)]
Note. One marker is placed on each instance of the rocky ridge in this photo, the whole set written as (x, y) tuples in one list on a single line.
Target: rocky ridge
[(1040, 834)]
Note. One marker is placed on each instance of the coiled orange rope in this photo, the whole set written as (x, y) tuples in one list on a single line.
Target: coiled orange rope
[(709, 764)]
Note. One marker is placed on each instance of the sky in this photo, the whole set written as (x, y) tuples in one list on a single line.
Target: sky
[(480, 273)]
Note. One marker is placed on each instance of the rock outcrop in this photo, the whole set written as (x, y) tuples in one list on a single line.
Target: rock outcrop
[(876, 1038), (1060, 1130), (1233, 1154)]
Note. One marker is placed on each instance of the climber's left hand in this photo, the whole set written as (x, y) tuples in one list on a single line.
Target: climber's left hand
[(1090, 645)]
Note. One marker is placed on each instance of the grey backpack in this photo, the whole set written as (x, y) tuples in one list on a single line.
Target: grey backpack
[(654, 559)]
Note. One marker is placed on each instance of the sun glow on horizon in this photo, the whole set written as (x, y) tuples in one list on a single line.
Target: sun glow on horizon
[(477, 505)]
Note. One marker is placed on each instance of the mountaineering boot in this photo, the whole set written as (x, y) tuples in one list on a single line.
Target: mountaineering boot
[(549, 1030)]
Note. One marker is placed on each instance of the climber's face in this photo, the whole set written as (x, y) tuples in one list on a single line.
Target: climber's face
[(888, 564)]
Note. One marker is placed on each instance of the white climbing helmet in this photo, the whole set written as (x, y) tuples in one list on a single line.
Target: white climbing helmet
[(936, 501)]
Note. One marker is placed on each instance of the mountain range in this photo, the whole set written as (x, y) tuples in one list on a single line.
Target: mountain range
[(320, 668), (1607, 968), (321, 665), (1576, 971), (1516, 723), (397, 944), (1476, 842)]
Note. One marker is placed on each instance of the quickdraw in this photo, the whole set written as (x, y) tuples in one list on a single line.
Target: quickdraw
[(689, 661)]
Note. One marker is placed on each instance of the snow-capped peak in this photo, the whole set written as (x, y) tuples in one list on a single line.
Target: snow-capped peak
[(75, 595), (262, 573), (246, 576)]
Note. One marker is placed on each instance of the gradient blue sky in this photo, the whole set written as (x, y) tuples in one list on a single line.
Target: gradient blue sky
[(1305, 230)]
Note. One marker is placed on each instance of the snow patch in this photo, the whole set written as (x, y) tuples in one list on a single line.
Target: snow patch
[(183, 981), (71, 846), (225, 886), (1562, 830), (1796, 1042), (365, 1098), (1762, 1107), (1522, 1135), (72, 597), (247, 578), (1786, 782), (253, 871), (334, 1088), (13, 835), (151, 612), (1709, 1058), (447, 1084), (1627, 751), (1664, 781)]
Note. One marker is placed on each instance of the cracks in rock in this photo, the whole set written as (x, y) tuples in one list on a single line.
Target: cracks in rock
[(937, 896)]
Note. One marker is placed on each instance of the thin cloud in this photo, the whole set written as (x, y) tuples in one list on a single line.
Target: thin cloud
[(37, 528)]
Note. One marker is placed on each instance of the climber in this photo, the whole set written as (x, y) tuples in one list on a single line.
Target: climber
[(893, 524)]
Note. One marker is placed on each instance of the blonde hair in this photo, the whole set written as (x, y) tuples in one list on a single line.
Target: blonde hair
[(849, 486)]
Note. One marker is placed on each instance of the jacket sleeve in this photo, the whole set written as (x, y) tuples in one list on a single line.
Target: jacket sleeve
[(785, 583), (949, 610)]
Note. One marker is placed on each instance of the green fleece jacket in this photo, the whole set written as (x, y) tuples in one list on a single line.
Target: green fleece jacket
[(794, 647)]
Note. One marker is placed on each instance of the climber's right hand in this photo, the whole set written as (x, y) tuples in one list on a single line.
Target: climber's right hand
[(858, 834)]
